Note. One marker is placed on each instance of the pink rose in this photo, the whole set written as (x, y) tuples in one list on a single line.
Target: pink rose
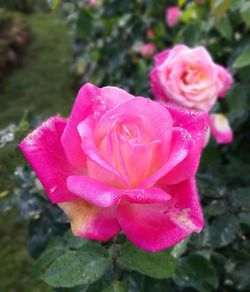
[(189, 77), (121, 162), (148, 50), (173, 14)]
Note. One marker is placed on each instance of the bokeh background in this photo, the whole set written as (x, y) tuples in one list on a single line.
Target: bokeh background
[(47, 50)]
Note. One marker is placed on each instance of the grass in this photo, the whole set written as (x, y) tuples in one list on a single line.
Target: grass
[(42, 85)]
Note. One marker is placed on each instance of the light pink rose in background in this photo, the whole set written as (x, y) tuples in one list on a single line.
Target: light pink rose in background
[(173, 14), (189, 77), (148, 50), (121, 162), (220, 128)]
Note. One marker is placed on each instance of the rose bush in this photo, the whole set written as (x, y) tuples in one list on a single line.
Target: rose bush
[(121, 162)]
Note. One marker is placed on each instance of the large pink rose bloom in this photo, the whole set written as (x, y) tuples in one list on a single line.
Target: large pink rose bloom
[(189, 77), (121, 162)]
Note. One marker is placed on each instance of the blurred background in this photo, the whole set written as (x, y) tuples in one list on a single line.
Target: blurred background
[(47, 50)]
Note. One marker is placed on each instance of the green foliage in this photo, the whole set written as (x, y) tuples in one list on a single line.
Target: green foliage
[(21, 5), (54, 4), (243, 60), (158, 265), (116, 286), (197, 272), (81, 267)]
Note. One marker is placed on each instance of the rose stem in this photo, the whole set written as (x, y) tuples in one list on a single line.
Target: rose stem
[(114, 259)]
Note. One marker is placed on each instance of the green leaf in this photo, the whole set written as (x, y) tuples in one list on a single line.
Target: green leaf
[(54, 4), (219, 8), (46, 258), (180, 248), (241, 273), (244, 218), (181, 3), (224, 28), (240, 198), (237, 100), (158, 265), (73, 241), (215, 208), (117, 286), (81, 267), (223, 230), (197, 272), (245, 13), (188, 14), (243, 60), (236, 4), (84, 24)]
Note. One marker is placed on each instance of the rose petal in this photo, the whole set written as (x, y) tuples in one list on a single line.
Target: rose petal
[(82, 108), (90, 100), (91, 222), (140, 160), (154, 227), (196, 123), (43, 150), (150, 114), (104, 196), (226, 80), (181, 145), (220, 128), (86, 132)]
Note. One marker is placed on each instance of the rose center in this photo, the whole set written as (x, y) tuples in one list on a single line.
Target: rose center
[(129, 132), (193, 74)]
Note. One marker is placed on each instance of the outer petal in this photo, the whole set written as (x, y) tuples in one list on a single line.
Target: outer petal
[(83, 107), (156, 87), (220, 128), (155, 84), (43, 150), (161, 57), (90, 100), (104, 196), (226, 80), (154, 227), (91, 222), (196, 123), (113, 96)]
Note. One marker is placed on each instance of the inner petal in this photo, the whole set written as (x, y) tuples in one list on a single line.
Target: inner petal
[(135, 138), (130, 152)]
